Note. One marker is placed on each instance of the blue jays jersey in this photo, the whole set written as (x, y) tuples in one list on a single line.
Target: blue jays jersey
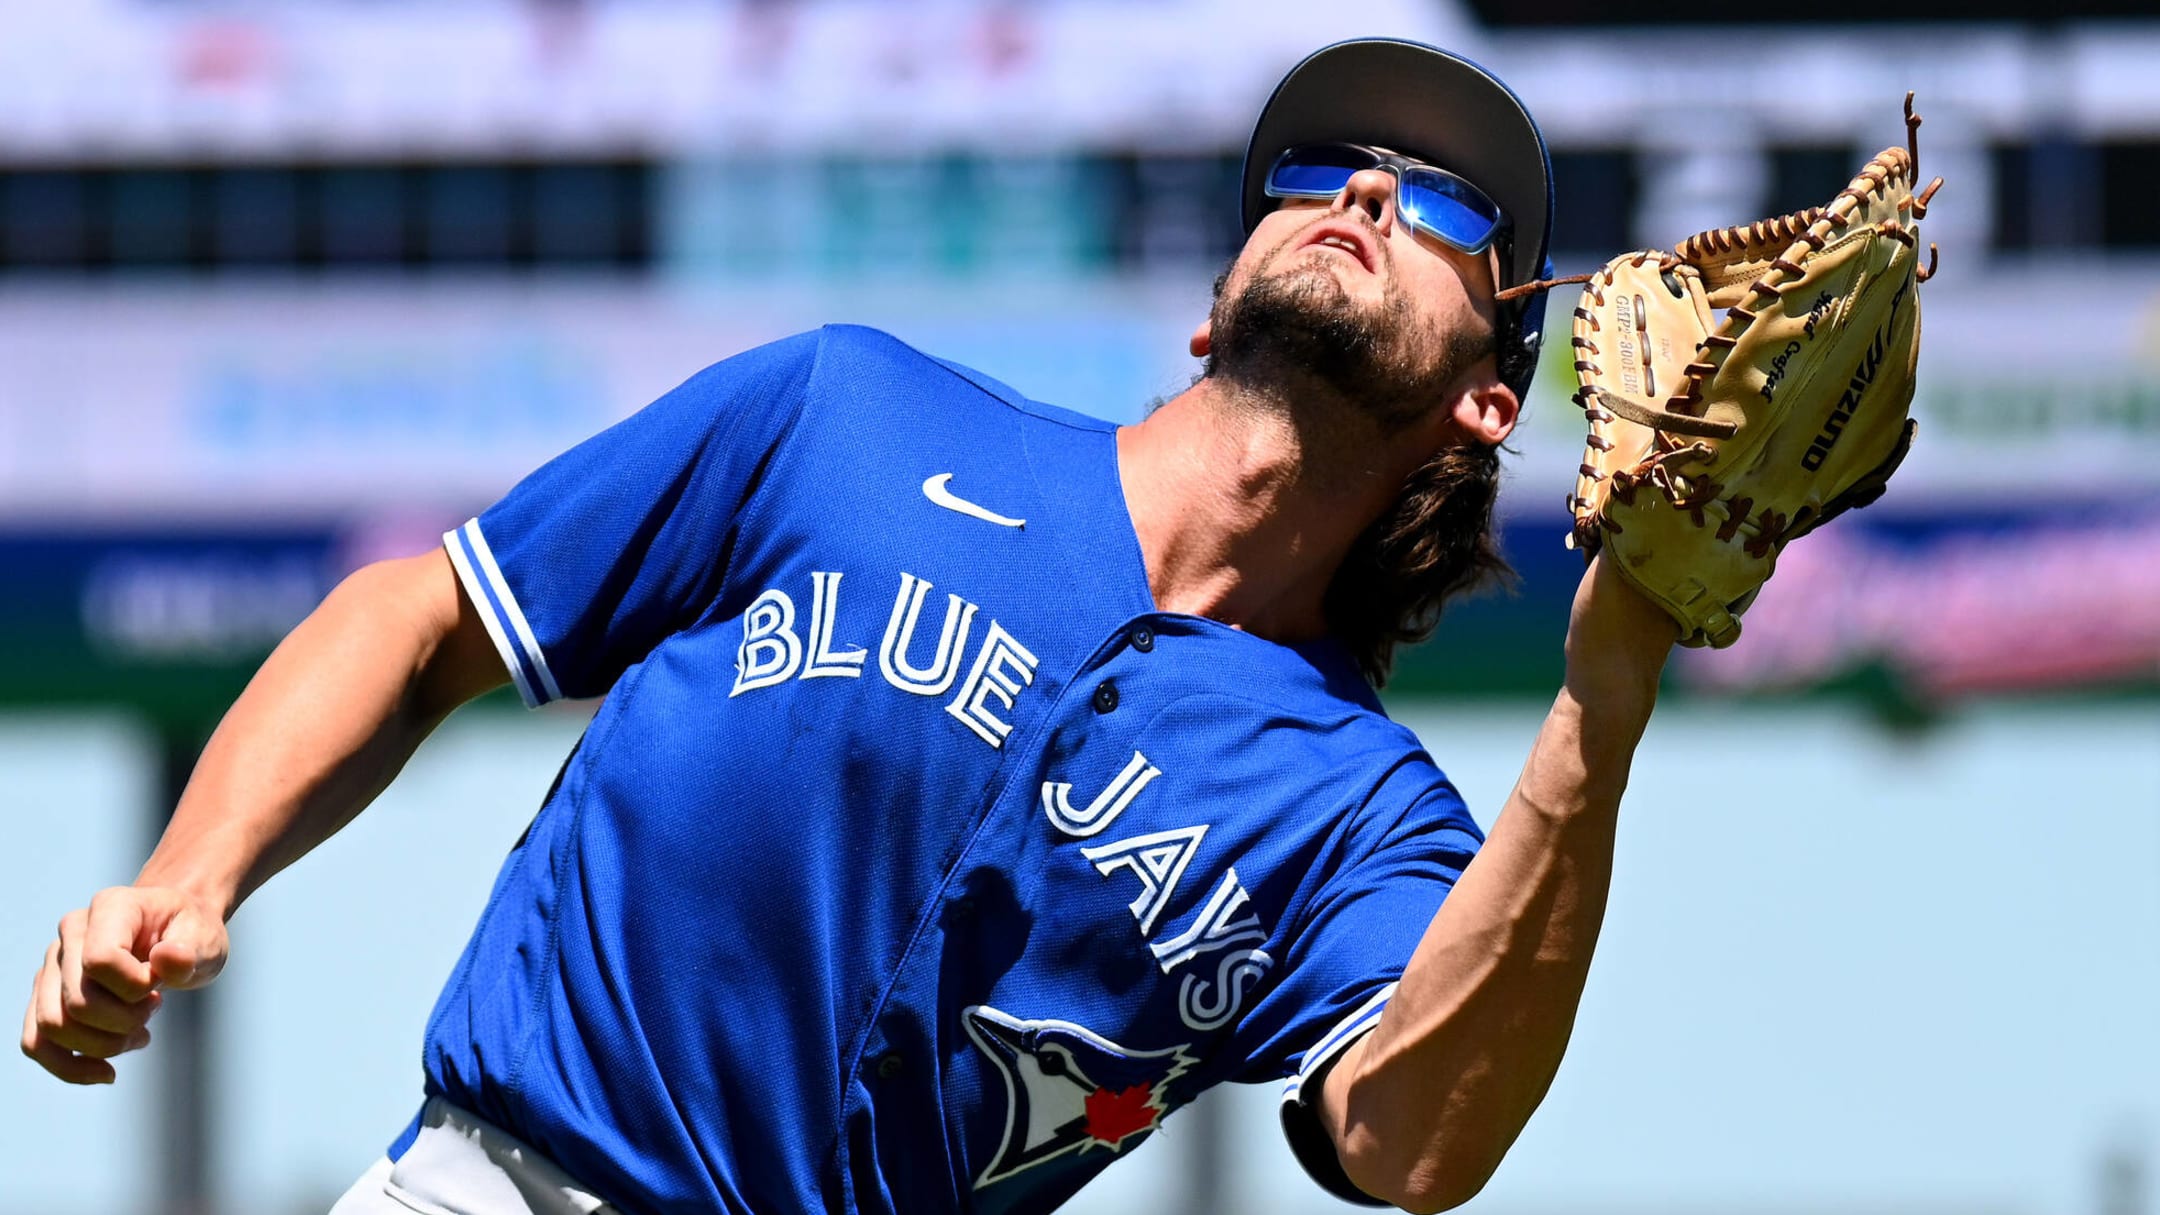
[(914, 861)]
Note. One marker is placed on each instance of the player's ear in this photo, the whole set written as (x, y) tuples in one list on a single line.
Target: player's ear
[(1485, 411), (1202, 339)]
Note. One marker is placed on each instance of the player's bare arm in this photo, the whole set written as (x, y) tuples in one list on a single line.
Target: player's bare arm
[(323, 727), (1423, 1108)]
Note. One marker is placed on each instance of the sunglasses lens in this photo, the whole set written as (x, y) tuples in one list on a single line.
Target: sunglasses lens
[(1442, 204), (1316, 171), (1449, 208)]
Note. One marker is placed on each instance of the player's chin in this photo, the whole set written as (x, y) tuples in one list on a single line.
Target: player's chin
[(1348, 294), (1366, 294)]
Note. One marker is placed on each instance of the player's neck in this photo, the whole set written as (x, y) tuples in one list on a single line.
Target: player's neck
[(1243, 511)]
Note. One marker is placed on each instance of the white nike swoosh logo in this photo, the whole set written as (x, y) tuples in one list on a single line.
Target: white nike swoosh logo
[(934, 489)]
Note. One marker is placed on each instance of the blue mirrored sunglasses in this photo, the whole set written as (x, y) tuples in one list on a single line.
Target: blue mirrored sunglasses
[(1435, 201)]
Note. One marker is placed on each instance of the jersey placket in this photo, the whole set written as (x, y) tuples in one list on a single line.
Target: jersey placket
[(903, 1053)]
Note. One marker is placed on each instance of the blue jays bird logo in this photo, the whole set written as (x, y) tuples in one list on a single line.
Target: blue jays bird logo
[(1068, 1089)]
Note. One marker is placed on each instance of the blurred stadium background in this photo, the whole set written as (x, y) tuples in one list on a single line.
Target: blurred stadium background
[(288, 286)]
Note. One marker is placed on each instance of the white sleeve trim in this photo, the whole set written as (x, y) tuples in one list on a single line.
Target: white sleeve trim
[(530, 643), (1335, 1041), (498, 607), (1309, 1142)]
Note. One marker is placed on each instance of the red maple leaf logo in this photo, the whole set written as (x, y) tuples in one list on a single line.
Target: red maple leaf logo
[(1113, 1117)]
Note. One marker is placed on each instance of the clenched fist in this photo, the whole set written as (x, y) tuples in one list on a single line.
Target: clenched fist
[(101, 981)]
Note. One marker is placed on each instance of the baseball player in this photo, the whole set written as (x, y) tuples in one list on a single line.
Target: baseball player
[(974, 783)]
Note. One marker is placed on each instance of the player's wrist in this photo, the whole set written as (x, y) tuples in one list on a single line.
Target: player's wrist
[(209, 894), (1616, 633)]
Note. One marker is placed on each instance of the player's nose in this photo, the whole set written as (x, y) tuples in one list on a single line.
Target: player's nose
[(1373, 192)]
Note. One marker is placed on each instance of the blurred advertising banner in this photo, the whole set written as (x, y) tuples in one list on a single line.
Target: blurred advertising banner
[(172, 618), (1945, 605), (1904, 608), (238, 402), (2016, 550), (171, 624), (233, 400)]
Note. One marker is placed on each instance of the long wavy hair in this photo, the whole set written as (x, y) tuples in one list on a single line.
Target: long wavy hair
[(1435, 544)]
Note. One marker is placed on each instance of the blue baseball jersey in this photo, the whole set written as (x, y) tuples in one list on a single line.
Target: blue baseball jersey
[(914, 861)]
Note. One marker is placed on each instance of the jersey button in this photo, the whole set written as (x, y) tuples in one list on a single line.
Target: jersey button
[(1143, 639), (890, 1065), (1105, 696)]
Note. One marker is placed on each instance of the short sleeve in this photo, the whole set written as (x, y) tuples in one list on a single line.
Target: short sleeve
[(1345, 955), (587, 564)]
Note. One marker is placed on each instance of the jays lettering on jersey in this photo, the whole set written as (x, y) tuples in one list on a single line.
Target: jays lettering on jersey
[(914, 861)]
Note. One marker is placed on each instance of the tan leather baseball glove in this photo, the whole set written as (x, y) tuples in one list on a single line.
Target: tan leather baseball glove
[(1748, 387)]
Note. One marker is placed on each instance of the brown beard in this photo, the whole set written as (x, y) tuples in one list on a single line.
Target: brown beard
[(1295, 329)]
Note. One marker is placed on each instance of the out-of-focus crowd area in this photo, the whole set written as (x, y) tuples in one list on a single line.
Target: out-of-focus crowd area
[(288, 287)]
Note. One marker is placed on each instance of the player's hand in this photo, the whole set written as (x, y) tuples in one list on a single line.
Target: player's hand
[(102, 978)]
